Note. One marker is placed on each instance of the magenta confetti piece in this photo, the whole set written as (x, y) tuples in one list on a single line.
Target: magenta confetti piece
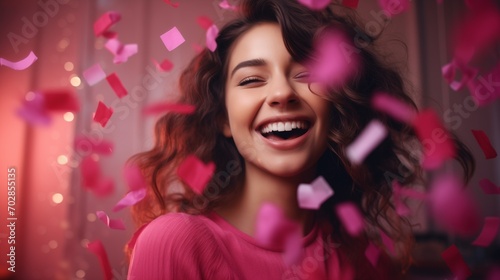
[(351, 218), (489, 187), (90, 171), (224, 4), (88, 145), (456, 262), (133, 177), (393, 107), (121, 52), (97, 248), (131, 198), (274, 230), (211, 34), (195, 173), (395, 7), (488, 233), (61, 101), (388, 242), (315, 4), (172, 38), (33, 110), (452, 207), (164, 107), (102, 114), (94, 74), (116, 85), (367, 140), (165, 66), (350, 3), (372, 253), (335, 59), (435, 139), (485, 144), (107, 20), (311, 196), (175, 5), (449, 73), (21, 64), (110, 223), (204, 22)]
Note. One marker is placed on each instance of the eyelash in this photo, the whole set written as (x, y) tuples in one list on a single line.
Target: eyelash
[(250, 80)]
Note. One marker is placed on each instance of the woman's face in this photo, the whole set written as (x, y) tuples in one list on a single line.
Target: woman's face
[(277, 123)]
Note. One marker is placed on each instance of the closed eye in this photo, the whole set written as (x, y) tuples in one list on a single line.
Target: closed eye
[(249, 80), (302, 76)]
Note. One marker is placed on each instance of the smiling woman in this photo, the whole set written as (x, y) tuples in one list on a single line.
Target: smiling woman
[(258, 105)]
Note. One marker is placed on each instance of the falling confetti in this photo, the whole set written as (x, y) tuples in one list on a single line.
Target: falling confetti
[(195, 173), (368, 139), (21, 64), (311, 196), (102, 114), (172, 38)]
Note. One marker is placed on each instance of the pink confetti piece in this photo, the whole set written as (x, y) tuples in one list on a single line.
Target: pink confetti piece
[(351, 218), (372, 253), (489, 187), (133, 177), (110, 223), (224, 4), (311, 196), (87, 145), (116, 85), (90, 171), (121, 52), (175, 5), (350, 3), (204, 22), (211, 35), (393, 107), (107, 20), (452, 207), (367, 140), (274, 230), (388, 242), (61, 101), (102, 114), (335, 59), (131, 198), (33, 110), (172, 38), (485, 144), (94, 74), (164, 107), (449, 72), (97, 248), (435, 139), (456, 262), (195, 173), (165, 66), (21, 64), (488, 233), (315, 4), (395, 7)]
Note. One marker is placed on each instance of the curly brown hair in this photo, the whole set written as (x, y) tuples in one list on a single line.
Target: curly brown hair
[(200, 134)]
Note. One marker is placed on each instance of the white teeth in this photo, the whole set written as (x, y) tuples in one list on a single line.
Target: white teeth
[(283, 126)]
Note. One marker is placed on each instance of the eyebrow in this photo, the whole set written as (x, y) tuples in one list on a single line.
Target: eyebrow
[(249, 63)]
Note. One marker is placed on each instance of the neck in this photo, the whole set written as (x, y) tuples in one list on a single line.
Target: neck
[(260, 187)]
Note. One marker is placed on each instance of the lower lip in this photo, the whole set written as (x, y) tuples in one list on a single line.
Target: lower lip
[(286, 144)]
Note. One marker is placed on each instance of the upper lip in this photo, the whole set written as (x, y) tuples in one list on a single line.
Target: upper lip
[(285, 118)]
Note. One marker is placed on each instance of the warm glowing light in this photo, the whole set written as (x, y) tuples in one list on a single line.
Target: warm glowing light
[(52, 244), (68, 66), (62, 159), (91, 217), (62, 45), (29, 96), (68, 116), (75, 81), (57, 198), (80, 274)]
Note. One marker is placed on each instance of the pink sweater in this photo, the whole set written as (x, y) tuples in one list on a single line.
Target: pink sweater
[(181, 246)]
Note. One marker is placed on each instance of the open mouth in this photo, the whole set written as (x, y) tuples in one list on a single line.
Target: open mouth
[(284, 130)]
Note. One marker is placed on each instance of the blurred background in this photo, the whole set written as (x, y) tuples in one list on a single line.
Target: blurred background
[(57, 215)]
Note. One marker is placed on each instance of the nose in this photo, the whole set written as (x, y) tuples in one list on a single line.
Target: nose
[(281, 93)]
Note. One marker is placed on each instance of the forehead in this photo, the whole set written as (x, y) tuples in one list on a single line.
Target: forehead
[(263, 40)]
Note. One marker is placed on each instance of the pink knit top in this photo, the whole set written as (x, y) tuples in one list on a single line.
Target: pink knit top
[(182, 246)]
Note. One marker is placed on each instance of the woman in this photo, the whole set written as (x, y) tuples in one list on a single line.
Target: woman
[(268, 128)]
